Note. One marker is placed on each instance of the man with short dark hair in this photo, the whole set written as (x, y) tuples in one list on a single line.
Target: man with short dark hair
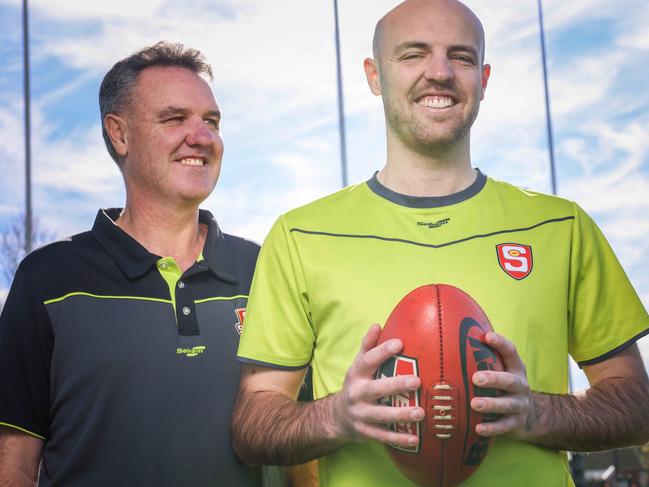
[(538, 266), (117, 345)]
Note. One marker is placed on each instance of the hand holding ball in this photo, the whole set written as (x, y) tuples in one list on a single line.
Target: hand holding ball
[(443, 333)]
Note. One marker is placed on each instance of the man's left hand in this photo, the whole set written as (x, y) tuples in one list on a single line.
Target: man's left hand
[(515, 404)]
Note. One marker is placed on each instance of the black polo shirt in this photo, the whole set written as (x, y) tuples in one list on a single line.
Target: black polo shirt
[(123, 366)]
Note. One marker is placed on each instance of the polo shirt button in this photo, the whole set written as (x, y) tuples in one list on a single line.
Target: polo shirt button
[(163, 265), (186, 310), (181, 284)]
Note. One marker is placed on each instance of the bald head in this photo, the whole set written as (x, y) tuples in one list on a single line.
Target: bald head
[(412, 11)]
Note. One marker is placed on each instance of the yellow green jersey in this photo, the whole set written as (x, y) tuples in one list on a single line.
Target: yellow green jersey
[(537, 265)]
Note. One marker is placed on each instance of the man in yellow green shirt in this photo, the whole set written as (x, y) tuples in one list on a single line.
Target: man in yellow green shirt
[(537, 264)]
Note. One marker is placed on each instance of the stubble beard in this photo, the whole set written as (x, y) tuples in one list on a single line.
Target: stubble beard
[(427, 137)]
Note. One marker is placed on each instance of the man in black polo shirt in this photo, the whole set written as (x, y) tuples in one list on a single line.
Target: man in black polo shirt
[(117, 345)]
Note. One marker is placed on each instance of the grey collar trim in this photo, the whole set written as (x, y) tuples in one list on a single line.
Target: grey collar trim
[(427, 201)]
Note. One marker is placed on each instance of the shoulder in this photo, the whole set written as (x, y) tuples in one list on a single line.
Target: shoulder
[(531, 200), (336, 206), (48, 270), (59, 254), (241, 246), (242, 255)]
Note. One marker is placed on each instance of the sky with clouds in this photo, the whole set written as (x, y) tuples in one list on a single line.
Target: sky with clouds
[(275, 80)]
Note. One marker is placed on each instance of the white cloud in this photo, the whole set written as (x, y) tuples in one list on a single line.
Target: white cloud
[(247, 206), (77, 163), (559, 14), (581, 84), (614, 161), (92, 9), (12, 156), (636, 35)]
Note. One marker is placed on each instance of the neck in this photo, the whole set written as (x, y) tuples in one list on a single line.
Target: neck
[(168, 232), (436, 172)]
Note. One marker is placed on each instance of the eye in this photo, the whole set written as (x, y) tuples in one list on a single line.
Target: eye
[(213, 123), (411, 56), (463, 59), (175, 119)]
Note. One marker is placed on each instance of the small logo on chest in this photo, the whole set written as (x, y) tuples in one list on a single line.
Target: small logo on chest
[(436, 224), (515, 259), (241, 316), (191, 352)]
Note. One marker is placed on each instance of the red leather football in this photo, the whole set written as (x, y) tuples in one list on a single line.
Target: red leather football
[(443, 330)]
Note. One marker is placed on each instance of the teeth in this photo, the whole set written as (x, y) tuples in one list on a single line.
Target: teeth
[(436, 101), (191, 162)]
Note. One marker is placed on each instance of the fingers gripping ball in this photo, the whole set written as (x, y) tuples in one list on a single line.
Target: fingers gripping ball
[(443, 332)]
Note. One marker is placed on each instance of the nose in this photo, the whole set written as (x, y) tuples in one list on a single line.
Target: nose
[(201, 133), (439, 68)]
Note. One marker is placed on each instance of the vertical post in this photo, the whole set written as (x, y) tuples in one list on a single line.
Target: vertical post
[(576, 460), (548, 116), (341, 109), (28, 155)]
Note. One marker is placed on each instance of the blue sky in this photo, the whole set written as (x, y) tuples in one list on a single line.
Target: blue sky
[(274, 65)]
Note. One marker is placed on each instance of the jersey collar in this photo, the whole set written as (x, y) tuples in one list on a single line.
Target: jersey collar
[(135, 261), (428, 201)]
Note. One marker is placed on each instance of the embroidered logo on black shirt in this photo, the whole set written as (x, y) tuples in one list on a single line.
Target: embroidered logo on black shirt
[(191, 352)]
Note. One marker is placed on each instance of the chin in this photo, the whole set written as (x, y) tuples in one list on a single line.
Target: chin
[(438, 140), (431, 134), (194, 196)]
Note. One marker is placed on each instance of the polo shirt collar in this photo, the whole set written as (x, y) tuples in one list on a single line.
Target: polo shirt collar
[(215, 251), (135, 261)]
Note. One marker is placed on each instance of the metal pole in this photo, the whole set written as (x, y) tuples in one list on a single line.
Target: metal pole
[(548, 116), (576, 464), (28, 155), (341, 109)]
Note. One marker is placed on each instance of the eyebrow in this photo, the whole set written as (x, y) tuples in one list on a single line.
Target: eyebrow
[(425, 46), (171, 110), (411, 45)]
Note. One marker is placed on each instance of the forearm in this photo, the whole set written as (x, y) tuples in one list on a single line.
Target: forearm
[(611, 414), (19, 458), (12, 477), (272, 429)]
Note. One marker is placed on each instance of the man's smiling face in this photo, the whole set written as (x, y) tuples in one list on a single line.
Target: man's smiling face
[(173, 143), (429, 72)]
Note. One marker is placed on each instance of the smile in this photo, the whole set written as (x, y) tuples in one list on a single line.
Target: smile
[(436, 101), (190, 161)]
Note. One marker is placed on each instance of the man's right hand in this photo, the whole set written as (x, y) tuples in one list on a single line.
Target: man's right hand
[(357, 412), (270, 427)]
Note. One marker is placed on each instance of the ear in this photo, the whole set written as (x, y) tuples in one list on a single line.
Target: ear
[(486, 72), (116, 129), (373, 76)]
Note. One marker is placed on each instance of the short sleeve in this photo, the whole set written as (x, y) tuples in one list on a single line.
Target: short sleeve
[(278, 330), (26, 341), (605, 312)]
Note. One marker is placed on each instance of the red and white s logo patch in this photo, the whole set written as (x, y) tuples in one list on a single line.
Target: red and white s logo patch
[(241, 316), (515, 259)]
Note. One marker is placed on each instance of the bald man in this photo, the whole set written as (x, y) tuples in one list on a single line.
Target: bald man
[(537, 265)]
